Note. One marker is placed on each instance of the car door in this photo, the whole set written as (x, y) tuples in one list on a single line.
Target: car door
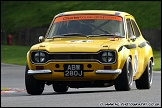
[(140, 46), (132, 45), (137, 42)]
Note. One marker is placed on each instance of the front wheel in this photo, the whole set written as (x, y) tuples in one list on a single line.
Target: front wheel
[(145, 80), (125, 80), (33, 86)]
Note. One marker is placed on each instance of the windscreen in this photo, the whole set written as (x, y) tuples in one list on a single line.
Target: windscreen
[(87, 25)]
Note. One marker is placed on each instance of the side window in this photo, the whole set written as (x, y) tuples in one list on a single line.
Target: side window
[(129, 28), (136, 30)]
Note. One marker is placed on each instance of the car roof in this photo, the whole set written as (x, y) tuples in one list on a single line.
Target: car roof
[(108, 12)]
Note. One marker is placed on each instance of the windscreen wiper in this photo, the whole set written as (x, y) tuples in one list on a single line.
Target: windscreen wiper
[(112, 35), (106, 34), (96, 35), (74, 34)]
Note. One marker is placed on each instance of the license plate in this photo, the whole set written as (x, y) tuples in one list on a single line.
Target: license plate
[(73, 70)]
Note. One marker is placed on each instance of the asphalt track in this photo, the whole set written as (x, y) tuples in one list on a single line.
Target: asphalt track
[(12, 77)]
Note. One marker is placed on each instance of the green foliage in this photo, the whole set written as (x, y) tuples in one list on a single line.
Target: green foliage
[(17, 15)]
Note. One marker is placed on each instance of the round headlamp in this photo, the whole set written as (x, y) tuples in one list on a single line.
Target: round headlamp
[(108, 57), (40, 57)]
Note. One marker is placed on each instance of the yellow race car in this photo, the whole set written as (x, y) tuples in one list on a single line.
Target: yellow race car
[(90, 48)]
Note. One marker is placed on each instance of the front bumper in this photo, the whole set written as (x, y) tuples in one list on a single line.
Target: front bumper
[(117, 71), (49, 75), (52, 72), (39, 72)]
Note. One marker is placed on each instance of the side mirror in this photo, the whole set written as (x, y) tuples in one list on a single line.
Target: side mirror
[(133, 38), (41, 38)]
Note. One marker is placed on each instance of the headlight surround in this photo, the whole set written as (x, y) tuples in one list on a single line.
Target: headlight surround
[(39, 57), (108, 56)]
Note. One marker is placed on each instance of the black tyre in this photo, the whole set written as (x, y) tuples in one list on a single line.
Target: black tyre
[(33, 86), (145, 80), (59, 87), (125, 80)]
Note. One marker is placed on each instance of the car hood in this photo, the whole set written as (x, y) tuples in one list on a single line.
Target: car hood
[(78, 45)]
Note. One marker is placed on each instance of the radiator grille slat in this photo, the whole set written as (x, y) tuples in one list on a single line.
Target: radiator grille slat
[(72, 56)]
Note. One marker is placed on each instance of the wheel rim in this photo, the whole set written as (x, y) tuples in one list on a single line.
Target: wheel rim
[(150, 72), (130, 80)]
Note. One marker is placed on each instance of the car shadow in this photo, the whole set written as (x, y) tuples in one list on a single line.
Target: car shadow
[(24, 93), (83, 92), (78, 92)]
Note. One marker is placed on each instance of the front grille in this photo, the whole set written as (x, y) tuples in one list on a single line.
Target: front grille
[(73, 56)]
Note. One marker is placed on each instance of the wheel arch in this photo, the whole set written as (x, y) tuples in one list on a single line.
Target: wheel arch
[(149, 56), (124, 53)]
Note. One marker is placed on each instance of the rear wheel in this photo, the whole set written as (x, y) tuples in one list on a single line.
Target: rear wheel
[(59, 87), (33, 86), (145, 80), (125, 80)]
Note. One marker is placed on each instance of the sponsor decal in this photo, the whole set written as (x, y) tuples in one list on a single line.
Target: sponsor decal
[(87, 17)]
